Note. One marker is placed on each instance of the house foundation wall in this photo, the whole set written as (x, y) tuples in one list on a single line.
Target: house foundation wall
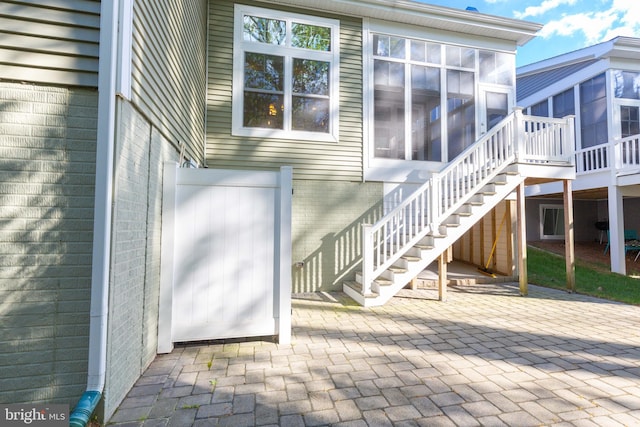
[(140, 153), (327, 231), (586, 214), (48, 146)]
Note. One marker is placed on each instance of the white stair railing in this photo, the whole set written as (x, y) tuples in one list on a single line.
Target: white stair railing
[(525, 138), (627, 152), (593, 159), (620, 154)]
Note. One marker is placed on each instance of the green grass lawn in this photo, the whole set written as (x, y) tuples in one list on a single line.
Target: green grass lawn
[(547, 269)]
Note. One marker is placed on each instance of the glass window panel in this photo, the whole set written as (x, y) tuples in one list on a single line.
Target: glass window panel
[(381, 45), (389, 116), (496, 67), (487, 66), (434, 53), (460, 111), (311, 37), (497, 108), (427, 78), (397, 48), (541, 109), (593, 112), (564, 104), (418, 52), (310, 114), (552, 222), (627, 84), (396, 74), (468, 58), (310, 77), (264, 30), (425, 123), (263, 72), (453, 56), (461, 57), (505, 67), (263, 110), (629, 122), (467, 86)]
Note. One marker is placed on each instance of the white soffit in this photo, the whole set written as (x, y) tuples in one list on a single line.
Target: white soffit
[(426, 15)]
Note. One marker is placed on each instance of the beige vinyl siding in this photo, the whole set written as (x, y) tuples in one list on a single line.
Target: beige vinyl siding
[(169, 69), (340, 160), (50, 41)]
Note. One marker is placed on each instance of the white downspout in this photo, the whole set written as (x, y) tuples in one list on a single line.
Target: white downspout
[(102, 214)]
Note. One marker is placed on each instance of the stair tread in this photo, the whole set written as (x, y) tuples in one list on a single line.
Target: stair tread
[(411, 258), (397, 269), (419, 246), (358, 287)]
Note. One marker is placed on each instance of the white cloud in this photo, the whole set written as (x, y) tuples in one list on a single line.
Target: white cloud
[(622, 18), (592, 25), (544, 7)]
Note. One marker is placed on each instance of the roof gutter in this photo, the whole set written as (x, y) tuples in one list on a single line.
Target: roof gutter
[(416, 13), (96, 372)]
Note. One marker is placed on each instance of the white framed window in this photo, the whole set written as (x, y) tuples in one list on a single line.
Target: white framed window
[(285, 75), (424, 102), (551, 222)]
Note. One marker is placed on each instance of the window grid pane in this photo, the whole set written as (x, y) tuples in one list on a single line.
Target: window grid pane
[(264, 30), (311, 37), (290, 88)]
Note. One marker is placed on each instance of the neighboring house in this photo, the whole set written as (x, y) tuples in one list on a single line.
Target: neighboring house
[(600, 85), (399, 115)]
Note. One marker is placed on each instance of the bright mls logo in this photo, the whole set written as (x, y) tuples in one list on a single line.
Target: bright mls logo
[(34, 415)]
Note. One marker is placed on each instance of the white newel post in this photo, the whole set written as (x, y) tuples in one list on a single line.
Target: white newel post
[(569, 142), (519, 134), (617, 163), (367, 258), (434, 203)]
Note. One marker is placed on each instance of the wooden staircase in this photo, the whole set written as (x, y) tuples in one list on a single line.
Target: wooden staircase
[(421, 254), (410, 237)]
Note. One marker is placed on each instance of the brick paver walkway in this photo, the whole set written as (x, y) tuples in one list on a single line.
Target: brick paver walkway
[(484, 357)]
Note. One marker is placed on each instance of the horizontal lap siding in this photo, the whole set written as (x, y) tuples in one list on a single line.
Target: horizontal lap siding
[(50, 41), (169, 69), (310, 160)]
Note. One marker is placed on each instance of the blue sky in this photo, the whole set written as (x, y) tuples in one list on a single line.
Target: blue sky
[(568, 24)]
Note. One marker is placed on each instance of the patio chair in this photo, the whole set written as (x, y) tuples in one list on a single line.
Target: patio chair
[(631, 242)]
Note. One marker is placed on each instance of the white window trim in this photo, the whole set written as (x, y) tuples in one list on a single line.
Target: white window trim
[(402, 170), (237, 128)]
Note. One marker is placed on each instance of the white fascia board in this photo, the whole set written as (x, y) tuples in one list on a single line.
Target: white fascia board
[(441, 36), (580, 55), (426, 15)]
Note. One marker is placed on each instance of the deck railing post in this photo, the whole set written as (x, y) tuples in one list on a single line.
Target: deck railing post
[(434, 204), (519, 133), (569, 150), (367, 258)]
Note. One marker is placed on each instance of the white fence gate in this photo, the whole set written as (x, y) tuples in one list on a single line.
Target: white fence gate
[(226, 255)]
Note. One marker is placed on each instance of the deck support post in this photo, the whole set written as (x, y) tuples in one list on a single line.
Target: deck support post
[(569, 249), (442, 276), (616, 231), (522, 242)]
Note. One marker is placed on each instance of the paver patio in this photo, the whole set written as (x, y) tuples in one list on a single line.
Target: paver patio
[(485, 357)]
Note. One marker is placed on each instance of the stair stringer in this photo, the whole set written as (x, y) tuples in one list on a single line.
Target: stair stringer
[(395, 278)]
